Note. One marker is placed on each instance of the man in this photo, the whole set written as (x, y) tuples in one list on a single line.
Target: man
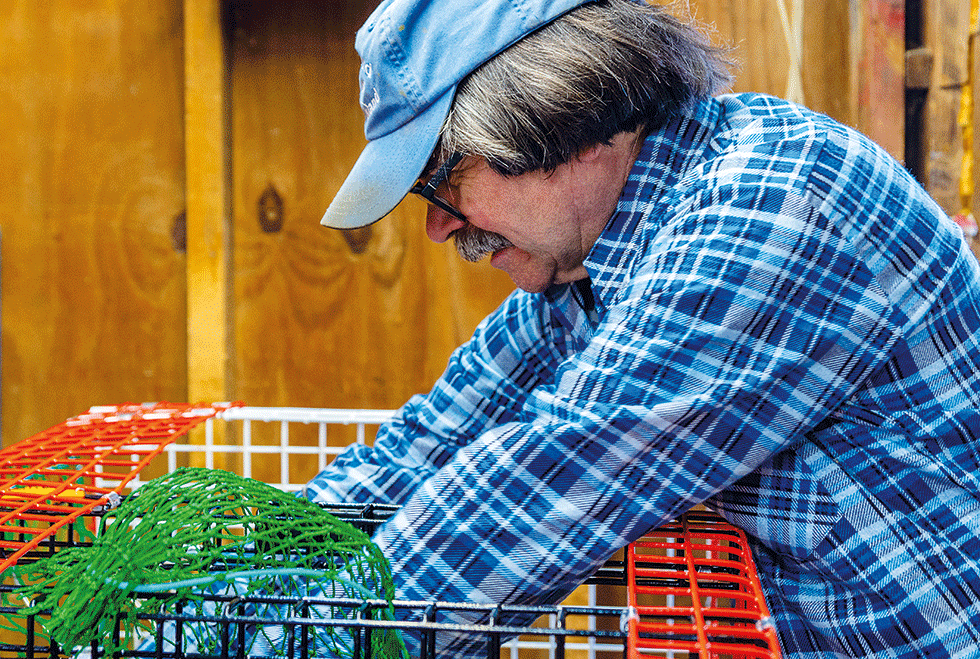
[(724, 300)]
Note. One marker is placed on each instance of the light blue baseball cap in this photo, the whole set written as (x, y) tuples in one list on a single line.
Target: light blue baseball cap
[(413, 55)]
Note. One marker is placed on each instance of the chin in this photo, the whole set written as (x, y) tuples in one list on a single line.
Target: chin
[(532, 282), (531, 287), (530, 273)]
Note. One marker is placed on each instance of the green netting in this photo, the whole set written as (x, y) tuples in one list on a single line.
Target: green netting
[(202, 531)]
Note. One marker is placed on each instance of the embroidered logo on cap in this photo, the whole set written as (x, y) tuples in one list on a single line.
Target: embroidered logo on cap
[(371, 105)]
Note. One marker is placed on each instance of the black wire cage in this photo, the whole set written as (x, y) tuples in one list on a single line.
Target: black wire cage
[(559, 631), (689, 589)]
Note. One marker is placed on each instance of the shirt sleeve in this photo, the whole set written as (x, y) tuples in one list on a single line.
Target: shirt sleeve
[(747, 319), (485, 384)]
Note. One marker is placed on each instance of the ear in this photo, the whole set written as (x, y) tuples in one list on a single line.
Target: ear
[(589, 153)]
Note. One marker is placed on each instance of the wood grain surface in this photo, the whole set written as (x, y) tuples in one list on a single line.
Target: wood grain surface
[(754, 30), (92, 174), (100, 302), (324, 317)]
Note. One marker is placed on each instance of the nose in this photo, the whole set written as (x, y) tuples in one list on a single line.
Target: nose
[(439, 224)]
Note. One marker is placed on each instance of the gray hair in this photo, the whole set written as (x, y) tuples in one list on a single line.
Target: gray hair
[(601, 69)]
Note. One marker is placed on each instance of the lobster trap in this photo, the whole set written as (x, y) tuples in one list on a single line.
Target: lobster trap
[(688, 589)]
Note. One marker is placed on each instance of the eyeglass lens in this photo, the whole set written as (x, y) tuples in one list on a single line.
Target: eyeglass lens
[(429, 189)]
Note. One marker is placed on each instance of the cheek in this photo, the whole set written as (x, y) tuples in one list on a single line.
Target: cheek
[(488, 208), (511, 206)]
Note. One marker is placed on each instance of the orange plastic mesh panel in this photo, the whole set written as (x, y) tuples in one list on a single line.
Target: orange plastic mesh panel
[(692, 587), (51, 479)]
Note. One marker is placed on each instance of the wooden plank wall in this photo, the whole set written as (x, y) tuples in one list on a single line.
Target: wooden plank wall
[(942, 70), (362, 318), (854, 74), (167, 165), (324, 318), (91, 190), (827, 76)]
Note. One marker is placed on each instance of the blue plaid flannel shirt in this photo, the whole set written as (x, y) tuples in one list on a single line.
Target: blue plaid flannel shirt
[(786, 329)]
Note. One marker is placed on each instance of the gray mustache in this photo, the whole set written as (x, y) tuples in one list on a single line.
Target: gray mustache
[(474, 243)]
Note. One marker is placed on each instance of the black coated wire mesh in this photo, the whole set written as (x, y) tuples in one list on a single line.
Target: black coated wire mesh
[(560, 632)]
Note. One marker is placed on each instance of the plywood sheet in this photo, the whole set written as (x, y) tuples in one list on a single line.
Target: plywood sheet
[(754, 30), (322, 317), (93, 181)]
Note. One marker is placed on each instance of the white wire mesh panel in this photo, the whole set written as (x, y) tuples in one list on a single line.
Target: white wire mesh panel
[(631, 599), (261, 442), (286, 446)]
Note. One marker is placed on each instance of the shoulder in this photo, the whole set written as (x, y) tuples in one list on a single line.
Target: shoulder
[(766, 140), (799, 141), (761, 158), (762, 143)]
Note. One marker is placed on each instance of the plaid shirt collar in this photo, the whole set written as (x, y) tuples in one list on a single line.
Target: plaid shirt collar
[(667, 156)]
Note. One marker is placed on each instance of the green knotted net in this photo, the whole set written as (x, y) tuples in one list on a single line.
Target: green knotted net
[(185, 537)]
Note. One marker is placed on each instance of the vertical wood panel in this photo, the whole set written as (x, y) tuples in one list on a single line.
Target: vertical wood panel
[(754, 29), (208, 225), (827, 58), (975, 89), (92, 171), (947, 26), (943, 147), (946, 31), (879, 75), (326, 318)]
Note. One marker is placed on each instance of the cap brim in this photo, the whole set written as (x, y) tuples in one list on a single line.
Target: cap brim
[(387, 168)]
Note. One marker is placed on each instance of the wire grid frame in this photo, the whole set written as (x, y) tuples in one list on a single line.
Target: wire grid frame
[(609, 617), (693, 588), (297, 462), (54, 478)]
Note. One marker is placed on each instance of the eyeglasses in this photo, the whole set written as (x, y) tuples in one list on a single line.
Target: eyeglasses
[(428, 189)]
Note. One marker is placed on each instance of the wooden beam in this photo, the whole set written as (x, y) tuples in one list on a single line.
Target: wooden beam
[(208, 202), (975, 90), (947, 28), (878, 47), (947, 34), (918, 68)]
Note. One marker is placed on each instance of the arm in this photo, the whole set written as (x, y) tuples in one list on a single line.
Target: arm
[(486, 383)]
